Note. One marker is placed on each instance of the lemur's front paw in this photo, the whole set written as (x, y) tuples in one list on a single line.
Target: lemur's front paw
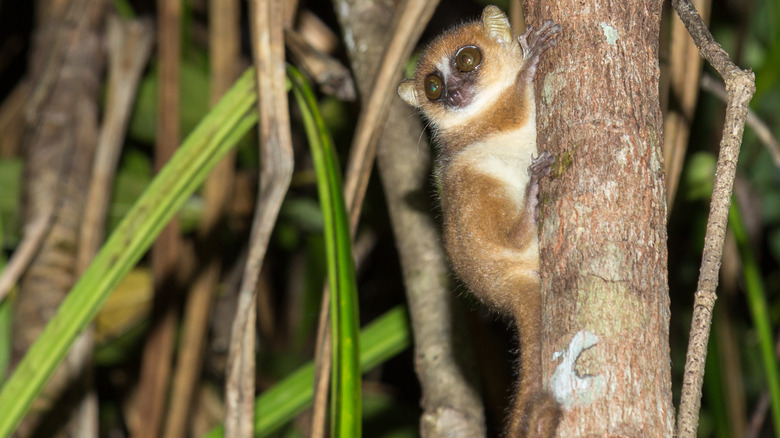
[(534, 43), (539, 168)]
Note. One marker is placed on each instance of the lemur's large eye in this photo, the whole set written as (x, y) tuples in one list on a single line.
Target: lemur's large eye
[(468, 58), (433, 86)]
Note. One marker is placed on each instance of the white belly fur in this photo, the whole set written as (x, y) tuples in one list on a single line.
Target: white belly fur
[(504, 156)]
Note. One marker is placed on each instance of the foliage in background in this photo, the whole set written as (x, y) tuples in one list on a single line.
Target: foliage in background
[(750, 31)]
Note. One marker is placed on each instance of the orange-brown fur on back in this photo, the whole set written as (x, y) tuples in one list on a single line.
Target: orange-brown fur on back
[(485, 125)]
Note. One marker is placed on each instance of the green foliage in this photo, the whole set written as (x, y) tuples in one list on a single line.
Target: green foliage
[(136, 213), (187, 169), (6, 309), (382, 339), (194, 100), (10, 176), (699, 176), (757, 301), (346, 417)]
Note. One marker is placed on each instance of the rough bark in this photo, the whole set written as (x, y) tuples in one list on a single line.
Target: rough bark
[(603, 220), (62, 131)]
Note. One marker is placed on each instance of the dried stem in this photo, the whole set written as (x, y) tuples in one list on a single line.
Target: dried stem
[(224, 48), (266, 22), (409, 21), (129, 48), (12, 120), (762, 130), (34, 234), (330, 74), (158, 351), (740, 86), (322, 368), (684, 72), (130, 45)]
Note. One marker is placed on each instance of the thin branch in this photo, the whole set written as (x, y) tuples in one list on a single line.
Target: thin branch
[(322, 352), (266, 22), (409, 21), (330, 74), (12, 120), (322, 368), (764, 133), (740, 85), (129, 47), (34, 234)]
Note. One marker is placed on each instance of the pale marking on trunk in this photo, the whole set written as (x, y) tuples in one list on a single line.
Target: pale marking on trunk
[(568, 388)]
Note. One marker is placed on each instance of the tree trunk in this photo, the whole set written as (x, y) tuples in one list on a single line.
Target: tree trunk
[(62, 133), (603, 236)]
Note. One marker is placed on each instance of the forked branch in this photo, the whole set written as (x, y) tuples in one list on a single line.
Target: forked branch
[(740, 85)]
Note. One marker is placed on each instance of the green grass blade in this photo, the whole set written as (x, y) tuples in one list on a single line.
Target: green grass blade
[(756, 297), (5, 317), (346, 418), (385, 337), (201, 151)]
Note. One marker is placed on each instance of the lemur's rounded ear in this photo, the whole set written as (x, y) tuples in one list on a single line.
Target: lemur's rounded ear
[(407, 93), (496, 25)]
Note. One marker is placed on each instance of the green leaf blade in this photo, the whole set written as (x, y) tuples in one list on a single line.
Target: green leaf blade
[(346, 418), (187, 169)]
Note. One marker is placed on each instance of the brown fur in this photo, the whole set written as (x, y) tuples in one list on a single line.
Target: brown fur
[(509, 112), (487, 239), (489, 227)]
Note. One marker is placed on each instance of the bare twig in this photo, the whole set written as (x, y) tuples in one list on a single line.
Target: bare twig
[(764, 133), (332, 77), (740, 85), (758, 417), (129, 47), (34, 234), (322, 368), (266, 22), (409, 21), (316, 33), (322, 351), (224, 41), (46, 65), (516, 17)]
